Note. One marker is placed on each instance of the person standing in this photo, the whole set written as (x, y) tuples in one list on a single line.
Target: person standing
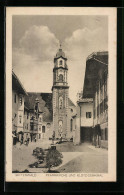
[(21, 142), (27, 141)]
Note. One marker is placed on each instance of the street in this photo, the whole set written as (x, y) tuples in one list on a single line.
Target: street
[(84, 158)]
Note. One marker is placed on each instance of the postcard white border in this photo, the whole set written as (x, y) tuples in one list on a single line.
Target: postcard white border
[(112, 43)]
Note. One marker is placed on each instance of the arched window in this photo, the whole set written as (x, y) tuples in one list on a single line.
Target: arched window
[(43, 129), (60, 62), (61, 78)]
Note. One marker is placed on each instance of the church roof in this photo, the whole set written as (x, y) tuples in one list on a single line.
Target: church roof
[(45, 104), (17, 85)]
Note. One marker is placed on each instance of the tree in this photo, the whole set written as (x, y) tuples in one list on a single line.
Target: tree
[(53, 158)]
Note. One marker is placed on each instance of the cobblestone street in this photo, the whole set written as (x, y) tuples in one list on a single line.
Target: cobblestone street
[(84, 158)]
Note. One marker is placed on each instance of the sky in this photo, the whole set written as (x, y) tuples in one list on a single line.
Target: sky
[(35, 42)]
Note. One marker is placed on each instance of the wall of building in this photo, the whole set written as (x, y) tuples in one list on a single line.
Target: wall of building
[(72, 121), (101, 107), (20, 114), (45, 130), (86, 107), (14, 110), (26, 124), (17, 111)]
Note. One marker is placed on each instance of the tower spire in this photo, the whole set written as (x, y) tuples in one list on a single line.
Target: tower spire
[(60, 44)]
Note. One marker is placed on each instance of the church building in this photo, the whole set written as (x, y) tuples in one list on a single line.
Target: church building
[(57, 110)]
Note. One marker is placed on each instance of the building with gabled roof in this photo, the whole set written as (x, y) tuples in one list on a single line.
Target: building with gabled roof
[(45, 110), (95, 88), (18, 97)]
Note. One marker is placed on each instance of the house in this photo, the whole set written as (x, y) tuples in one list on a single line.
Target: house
[(96, 87), (41, 115), (86, 119), (18, 98), (92, 104), (26, 123), (41, 121)]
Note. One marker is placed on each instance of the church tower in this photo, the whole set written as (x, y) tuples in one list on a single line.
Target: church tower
[(60, 91)]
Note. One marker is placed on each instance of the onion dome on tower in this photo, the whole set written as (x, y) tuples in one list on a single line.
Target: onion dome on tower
[(60, 53)]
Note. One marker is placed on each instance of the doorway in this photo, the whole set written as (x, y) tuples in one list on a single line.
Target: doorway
[(86, 134)]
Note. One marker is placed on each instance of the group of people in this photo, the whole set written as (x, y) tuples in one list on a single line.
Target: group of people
[(26, 142)]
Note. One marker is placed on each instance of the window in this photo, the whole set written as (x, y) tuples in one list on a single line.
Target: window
[(20, 101), (60, 62), (27, 126), (31, 126), (15, 98), (106, 134), (106, 103), (71, 124), (39, 128), (27, 115), (88, 114), (43, 129), (20, 119), (102, 134), (61, 78), (60, 102)]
